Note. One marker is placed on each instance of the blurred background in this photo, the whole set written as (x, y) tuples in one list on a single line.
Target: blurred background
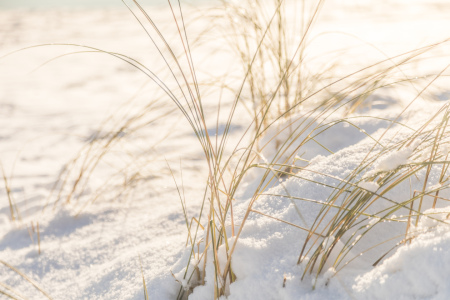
[(77, 4)]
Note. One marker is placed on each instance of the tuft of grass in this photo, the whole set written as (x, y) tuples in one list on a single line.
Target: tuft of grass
[(350, 201)]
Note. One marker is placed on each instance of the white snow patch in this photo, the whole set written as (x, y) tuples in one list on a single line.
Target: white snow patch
[(369, 185), (417, 270), (394, 159)]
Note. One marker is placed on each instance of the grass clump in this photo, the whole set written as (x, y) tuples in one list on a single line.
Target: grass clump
[(281, 96)]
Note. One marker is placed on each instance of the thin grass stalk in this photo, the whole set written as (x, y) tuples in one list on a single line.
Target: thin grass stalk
[(36, 286)]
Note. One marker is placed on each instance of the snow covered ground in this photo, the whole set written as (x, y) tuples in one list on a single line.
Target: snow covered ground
[(56, 117)]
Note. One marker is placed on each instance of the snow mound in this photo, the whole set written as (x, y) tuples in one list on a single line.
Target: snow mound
[(419, 270), (265, 260)]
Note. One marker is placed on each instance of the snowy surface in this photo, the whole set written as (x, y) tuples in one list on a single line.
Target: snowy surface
[(129, 209)]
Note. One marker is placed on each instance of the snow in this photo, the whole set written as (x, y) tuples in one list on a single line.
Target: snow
[(370, 186), (268, 250), (394, 160), (416, 270), (127, 215)]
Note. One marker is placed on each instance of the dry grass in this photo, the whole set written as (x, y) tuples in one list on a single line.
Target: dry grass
[(283, 95)]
